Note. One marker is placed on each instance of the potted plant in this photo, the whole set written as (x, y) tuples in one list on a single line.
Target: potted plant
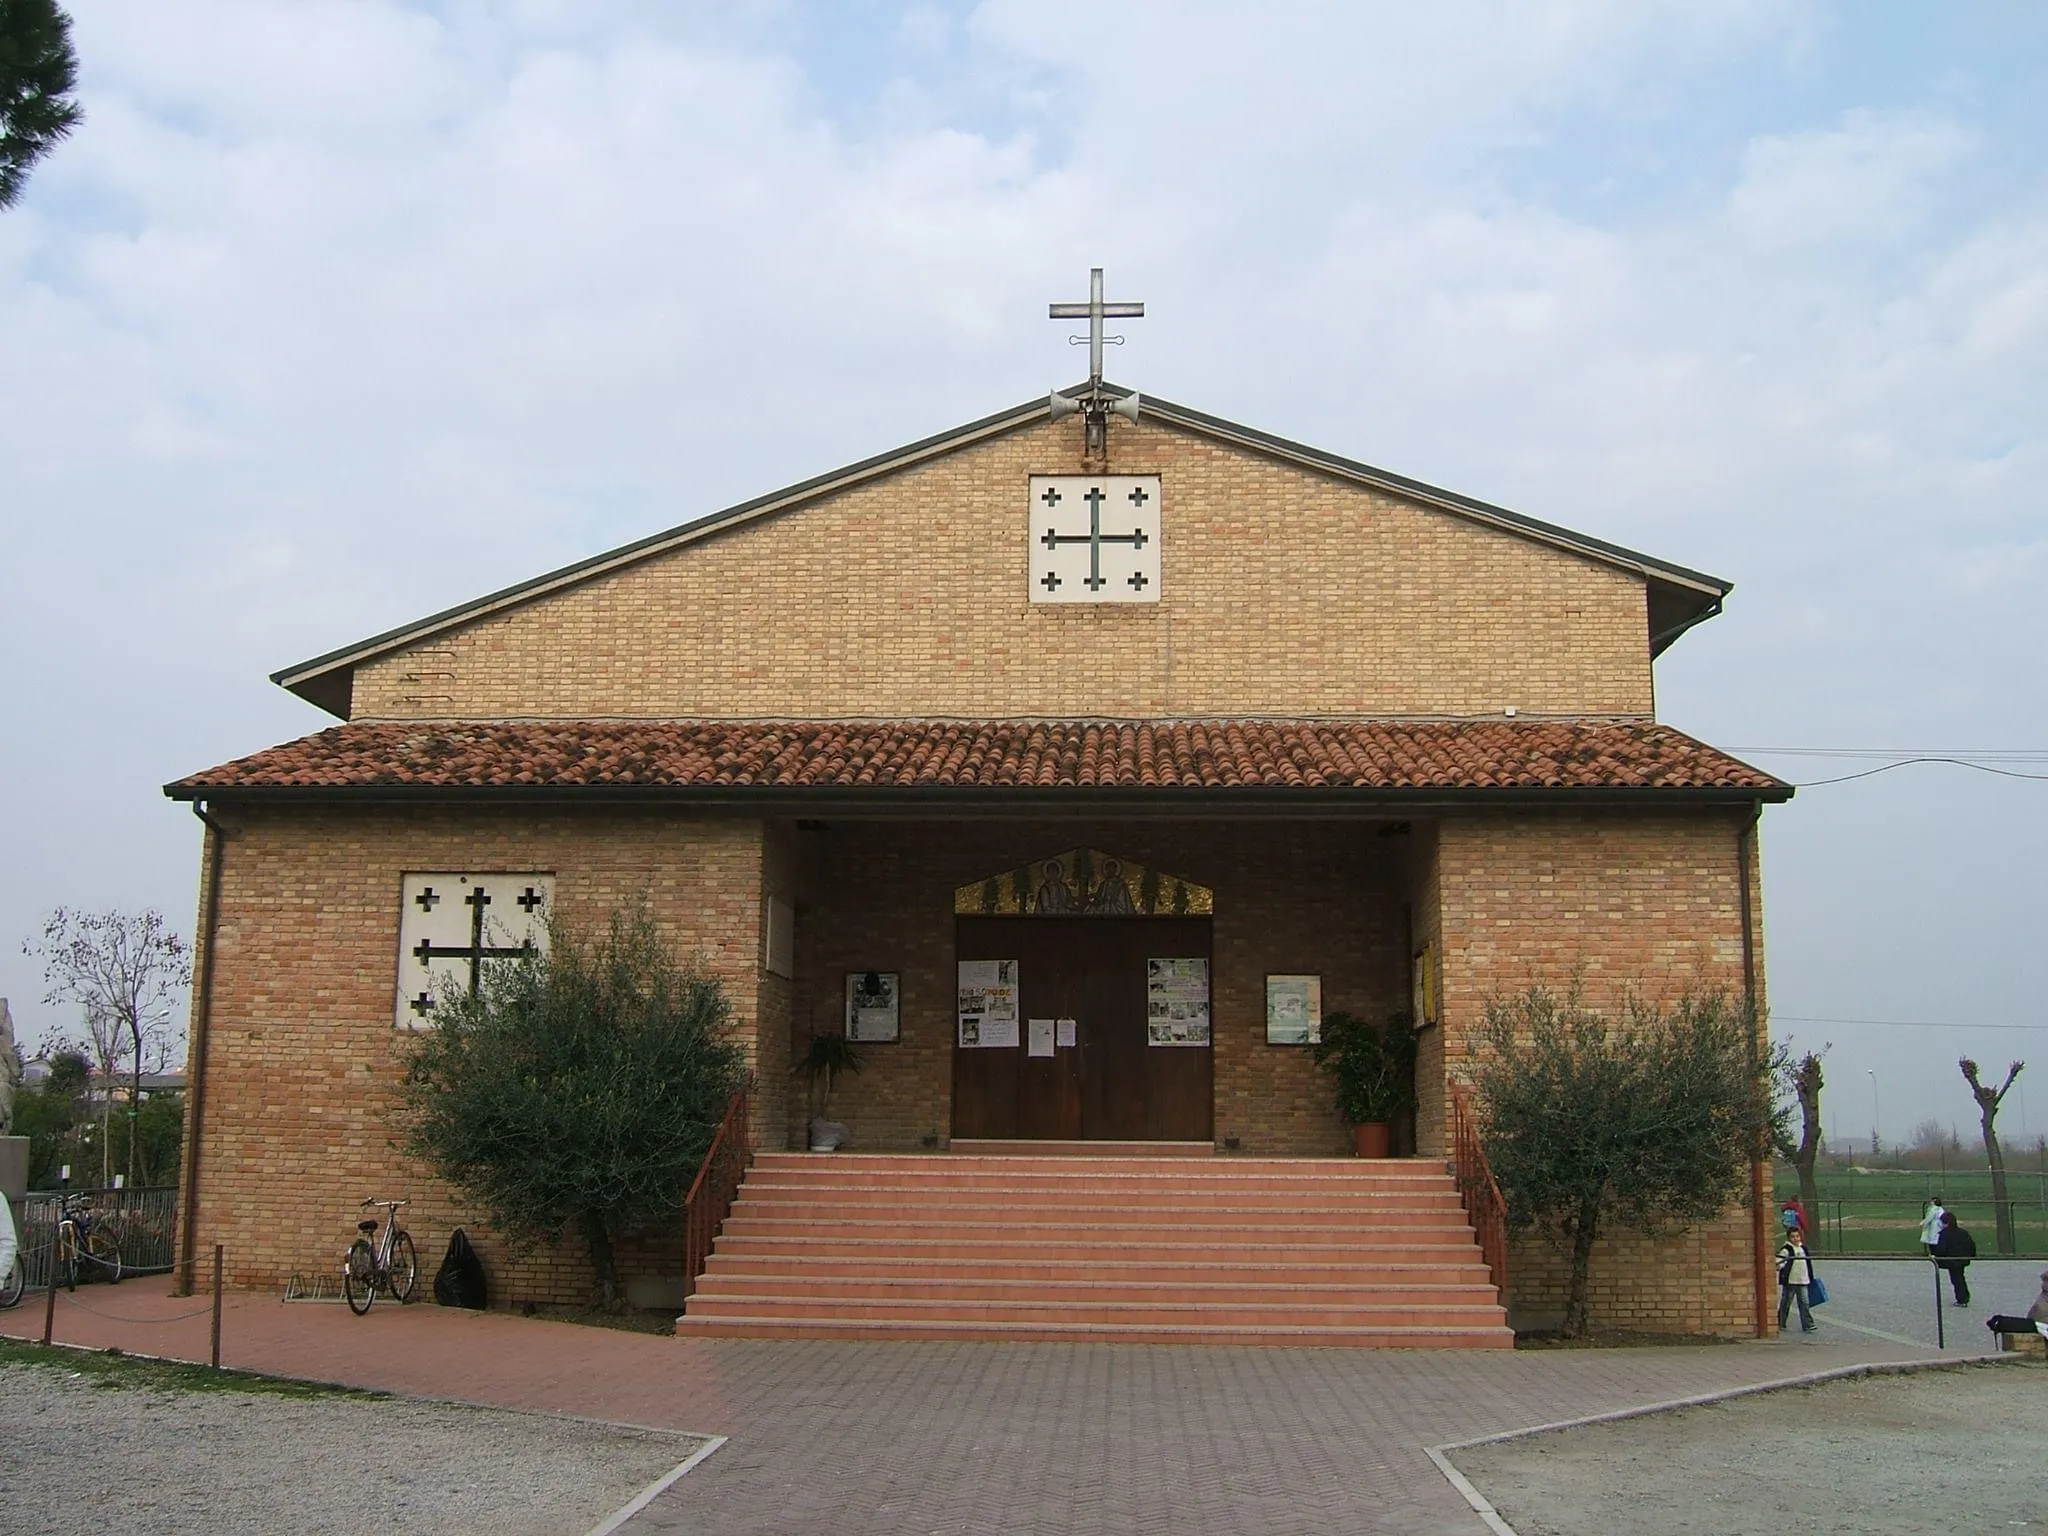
[(828, 1056), (1374, 1066)]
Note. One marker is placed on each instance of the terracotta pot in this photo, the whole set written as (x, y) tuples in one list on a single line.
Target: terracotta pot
[(1371, 1139)]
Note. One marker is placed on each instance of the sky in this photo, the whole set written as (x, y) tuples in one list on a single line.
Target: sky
[(335, 314)]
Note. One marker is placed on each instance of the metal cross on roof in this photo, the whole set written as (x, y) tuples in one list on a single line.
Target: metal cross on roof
[(1095, 311)]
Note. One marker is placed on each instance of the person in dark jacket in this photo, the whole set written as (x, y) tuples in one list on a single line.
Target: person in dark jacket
[(1953, 1251)]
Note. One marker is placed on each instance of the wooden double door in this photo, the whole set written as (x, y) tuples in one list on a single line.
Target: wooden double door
[(1111, 1084)]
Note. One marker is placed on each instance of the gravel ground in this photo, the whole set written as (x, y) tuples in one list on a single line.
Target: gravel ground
[(83, 1451), (1934, 1452)]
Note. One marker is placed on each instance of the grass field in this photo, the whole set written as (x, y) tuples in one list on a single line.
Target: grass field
[(1878, 1210)]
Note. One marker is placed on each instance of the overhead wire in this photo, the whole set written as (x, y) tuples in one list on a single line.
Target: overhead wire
[(1800, 1018), (1985, 761)]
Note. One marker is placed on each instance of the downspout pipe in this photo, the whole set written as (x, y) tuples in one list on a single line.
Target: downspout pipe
[(202, 1017), (1759, 1203)]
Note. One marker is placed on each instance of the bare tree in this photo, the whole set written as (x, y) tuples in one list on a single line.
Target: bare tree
[(1805, 1081), (127, 971), (1988, 1100)]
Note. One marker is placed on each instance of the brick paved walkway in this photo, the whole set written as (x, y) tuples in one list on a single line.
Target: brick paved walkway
[(981, 1438)]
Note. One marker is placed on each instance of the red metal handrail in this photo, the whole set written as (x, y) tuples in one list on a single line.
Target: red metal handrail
[(711, 1192), (1477, 1190)]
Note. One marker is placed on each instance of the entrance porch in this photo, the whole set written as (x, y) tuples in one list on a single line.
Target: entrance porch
[(1092, 982)]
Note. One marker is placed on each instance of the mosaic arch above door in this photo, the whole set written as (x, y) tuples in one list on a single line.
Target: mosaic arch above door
[(1083, 882)]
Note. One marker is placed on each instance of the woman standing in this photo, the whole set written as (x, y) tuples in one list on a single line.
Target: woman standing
[(1795, 1274)]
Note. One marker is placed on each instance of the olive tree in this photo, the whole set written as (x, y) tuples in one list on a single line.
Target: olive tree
[(1647, 1121), (577, 1089)]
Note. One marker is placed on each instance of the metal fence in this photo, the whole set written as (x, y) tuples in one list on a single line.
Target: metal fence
[(142, 1221), (1878, 1226)]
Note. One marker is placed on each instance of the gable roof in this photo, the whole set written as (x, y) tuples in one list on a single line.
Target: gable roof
[(1164, 762), (1678, 598)]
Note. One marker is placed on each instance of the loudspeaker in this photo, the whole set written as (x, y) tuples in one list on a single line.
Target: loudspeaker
[(1059, 405), (1126, 408)]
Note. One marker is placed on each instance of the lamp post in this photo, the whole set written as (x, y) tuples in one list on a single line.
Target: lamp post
[(1873, 1111)]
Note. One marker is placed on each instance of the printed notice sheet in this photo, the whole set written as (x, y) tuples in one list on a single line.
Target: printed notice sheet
[(1177, 1002), (1038, 1042), (988, 1004), (1064, 1034)]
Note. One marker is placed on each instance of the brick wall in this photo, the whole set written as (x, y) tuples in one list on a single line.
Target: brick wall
[(300, 1111), (1284, 591), (1643, 900)]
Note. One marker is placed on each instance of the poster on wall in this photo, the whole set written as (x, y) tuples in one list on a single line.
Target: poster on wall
[(1294, 1010), (1177, 1002), (1428, 1009), (1038, 1038), (872, 1013), (988, 1004)]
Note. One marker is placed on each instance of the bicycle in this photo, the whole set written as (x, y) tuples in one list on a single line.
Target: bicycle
[(82, 1241), (374, 1262)]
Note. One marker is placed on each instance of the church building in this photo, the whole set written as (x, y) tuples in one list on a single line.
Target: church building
[(1075, 762)]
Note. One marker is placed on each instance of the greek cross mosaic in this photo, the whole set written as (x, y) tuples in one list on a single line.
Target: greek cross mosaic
[(1094, 539), (450, 925)]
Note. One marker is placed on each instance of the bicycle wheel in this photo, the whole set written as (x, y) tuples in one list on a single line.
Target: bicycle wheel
[(65, 1271), (405, 1267), (105, 1254), (359, 1277), (11, 1284)]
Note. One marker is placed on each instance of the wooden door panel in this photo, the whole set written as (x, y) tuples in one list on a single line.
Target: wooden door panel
[(1179, 1080), (1114, 1086)]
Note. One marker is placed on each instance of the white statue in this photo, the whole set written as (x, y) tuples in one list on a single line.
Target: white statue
[(10, 1069)]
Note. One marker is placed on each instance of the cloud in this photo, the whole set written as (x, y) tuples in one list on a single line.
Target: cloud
[(1870, 179)]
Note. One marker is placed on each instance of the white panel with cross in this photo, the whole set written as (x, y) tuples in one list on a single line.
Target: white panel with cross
[(1094, 538), (452, 925)]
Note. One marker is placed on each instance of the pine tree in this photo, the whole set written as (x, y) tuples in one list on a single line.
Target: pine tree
[(37, 71)]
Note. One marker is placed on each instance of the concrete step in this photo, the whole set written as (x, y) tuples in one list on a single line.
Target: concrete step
[(1144, 1246), (885, 1261), (984, 1205), (1248, 1295), (1071, 1244), (1243, 1335), (990, 1226), (951, 1165), (1055, 1310), (1130, 1196)]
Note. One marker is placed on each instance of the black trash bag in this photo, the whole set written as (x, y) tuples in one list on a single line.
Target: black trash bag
[(461, 1280)]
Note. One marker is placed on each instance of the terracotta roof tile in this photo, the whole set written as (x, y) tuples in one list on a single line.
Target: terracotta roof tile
[(1305, 755)]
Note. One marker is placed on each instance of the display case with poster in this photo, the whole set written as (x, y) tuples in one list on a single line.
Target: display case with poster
[(1294, 1010), (873, 1006)]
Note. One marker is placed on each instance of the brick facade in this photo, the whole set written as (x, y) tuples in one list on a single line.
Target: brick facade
[(1287, 592), (302, 1061), (1284, 592), (1612, 901)]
